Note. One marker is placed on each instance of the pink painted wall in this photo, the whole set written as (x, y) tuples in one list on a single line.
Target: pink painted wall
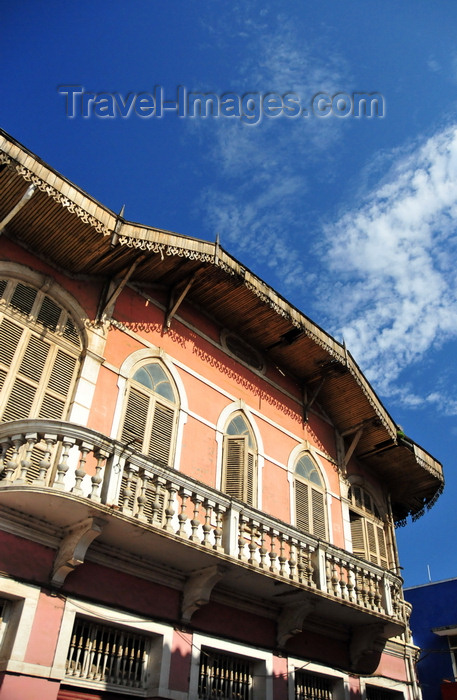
[(280, 678), (27, 688), (45, 630), (181, 657)]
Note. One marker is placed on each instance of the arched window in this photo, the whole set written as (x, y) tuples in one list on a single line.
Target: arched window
[(40, 350), (149, 423), (240, 461), (309, 497), (367, 527)]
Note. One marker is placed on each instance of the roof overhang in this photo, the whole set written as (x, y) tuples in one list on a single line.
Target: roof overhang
[(72, 231)]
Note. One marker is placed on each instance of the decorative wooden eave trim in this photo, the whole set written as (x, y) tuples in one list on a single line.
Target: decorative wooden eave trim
[(166, 243), (210, 254), (55, 186)]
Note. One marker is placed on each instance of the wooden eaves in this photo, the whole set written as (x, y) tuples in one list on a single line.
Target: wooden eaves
[(65, 226)]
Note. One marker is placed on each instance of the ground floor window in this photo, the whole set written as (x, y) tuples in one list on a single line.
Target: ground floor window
[(224, 676), (310, 686), (375, 692), (109, 655)]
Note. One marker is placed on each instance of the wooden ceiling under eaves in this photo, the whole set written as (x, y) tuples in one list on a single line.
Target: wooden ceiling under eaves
[(65, 226)]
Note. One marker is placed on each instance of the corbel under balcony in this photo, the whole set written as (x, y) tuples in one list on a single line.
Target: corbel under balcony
[(197, 590), (73, 548), (292, 618), (213, 544)]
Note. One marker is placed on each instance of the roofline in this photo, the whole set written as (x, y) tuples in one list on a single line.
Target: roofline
[(149, 239)]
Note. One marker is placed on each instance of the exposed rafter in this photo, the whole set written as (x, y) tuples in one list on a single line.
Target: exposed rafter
[(113, 289), (176, 298)]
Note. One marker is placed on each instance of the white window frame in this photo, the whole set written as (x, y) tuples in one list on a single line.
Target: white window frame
[(22, 604), (366, 516), (127, 369), (262, 662), (161, 645), (340, 691), (298, 450), (384, 684), (93, 338), (224, 419)]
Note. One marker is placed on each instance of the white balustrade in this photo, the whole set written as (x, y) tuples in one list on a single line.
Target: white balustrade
[(79, 461)]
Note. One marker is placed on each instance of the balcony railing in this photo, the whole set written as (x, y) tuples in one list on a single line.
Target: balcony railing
[(63, 457)]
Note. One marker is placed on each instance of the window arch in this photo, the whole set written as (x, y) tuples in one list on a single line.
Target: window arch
[(367, 527), (40, 350), (150, 416), (309, 497), (239, 478)]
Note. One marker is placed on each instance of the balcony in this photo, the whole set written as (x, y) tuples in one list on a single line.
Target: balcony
[(102, 495)]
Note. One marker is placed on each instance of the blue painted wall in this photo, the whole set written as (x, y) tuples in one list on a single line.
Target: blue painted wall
[(434, 605)]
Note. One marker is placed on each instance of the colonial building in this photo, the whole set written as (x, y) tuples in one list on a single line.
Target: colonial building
[(199, 487)]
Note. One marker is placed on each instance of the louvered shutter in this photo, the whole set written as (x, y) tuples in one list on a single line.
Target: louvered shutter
[(372, 550), (251, 480), (20, 401), (302, 505), (58, 387), (358, 540), (234, 455), (23, 298), (161, 434), (382, 546), (318, 506), (36, 375), (34, 359), (10, 335), (135, 419)]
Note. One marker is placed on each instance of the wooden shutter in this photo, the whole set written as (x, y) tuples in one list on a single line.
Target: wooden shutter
[(161, 434), (10, 335), (23, 298), (318, 506), (372, 549), (302, 505), (358, 540), (251, 481), (58, 387), (19, 404), (135, 419), (234, 457), (382, 546)]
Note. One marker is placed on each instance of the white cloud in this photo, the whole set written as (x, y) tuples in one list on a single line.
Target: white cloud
[(263, 170), (394, 259)]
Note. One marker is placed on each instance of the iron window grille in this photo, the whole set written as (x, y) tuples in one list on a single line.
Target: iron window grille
[(310, 686), (224, 676), (110, 655)]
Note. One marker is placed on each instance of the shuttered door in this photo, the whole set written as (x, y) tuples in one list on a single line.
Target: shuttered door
[(382, 546), (36, 375), (251, 481), (149, 426), (372, 549), (135, 419), (358, 540), (234, 456), (161, 434), (302, 506), (318, 506)]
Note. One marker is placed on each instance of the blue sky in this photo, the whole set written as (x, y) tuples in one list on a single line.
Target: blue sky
[(353, 219)]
